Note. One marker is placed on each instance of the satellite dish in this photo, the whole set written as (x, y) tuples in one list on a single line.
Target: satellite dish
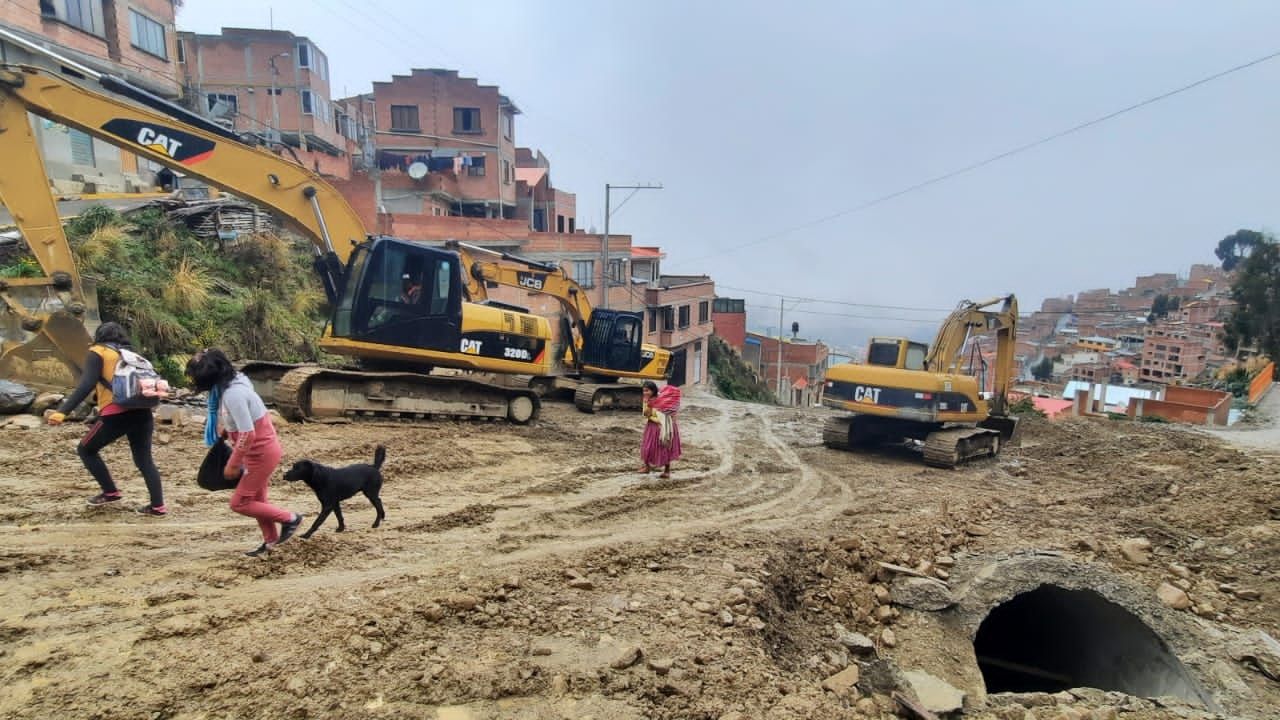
[(418, 170)]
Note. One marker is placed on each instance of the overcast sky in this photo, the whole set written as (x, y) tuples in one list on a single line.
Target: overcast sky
[(758, 117)]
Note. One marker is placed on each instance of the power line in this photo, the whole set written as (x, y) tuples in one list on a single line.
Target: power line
[(995, 158), (833, 302)]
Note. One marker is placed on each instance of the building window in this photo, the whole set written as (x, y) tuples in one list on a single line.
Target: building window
[(653, 320), (148, 35), (304, 55), (476, 168), (572, 222), (584, 272), (668, 318), (221, 104), (182, 50), (703, 312), (308, 103), (81, 148), (559, 223), (684, 316), (404, 118), (83, 14), (506, 125), (466, 121), (507, 173), (617, 271)]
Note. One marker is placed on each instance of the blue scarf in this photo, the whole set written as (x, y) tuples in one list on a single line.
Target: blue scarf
[(211, 424)]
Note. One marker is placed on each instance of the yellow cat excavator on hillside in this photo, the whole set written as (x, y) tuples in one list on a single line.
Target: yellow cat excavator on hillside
[(911, 391), (397, 339)]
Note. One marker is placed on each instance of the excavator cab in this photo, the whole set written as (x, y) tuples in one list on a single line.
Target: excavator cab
[(401, 293), (613, 340), (898, 353)]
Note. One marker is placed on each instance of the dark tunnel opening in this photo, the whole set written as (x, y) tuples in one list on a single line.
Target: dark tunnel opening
[(1052, 639)]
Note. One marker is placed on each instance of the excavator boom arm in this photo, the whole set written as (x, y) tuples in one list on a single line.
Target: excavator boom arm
[(305, 201), (998, 315), (515, 271)]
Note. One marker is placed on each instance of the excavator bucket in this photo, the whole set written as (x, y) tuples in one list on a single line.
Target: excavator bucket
[(1007, 426), (50, 358)]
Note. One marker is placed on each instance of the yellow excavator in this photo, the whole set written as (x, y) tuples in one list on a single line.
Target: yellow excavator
[(601, 346), (909, 391), (397, 338)]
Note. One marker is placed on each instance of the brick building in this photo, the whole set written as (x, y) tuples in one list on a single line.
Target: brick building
[(804, 366), (133, 40), (1155, 283), (440, 144), (1057, 305), (678, 317), (729, 317), (545, 207), (270, 83), (1171, 354), (1124, 372)]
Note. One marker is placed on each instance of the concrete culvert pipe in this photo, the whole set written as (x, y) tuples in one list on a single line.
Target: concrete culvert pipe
[(1052, 639)]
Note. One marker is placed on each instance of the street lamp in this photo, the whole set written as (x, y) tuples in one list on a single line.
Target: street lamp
[(275, 104), (604, 243)]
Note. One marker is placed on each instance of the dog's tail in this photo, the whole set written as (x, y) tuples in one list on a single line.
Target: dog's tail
[(379, 457)]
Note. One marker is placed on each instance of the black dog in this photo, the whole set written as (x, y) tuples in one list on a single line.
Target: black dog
[(333, 485)]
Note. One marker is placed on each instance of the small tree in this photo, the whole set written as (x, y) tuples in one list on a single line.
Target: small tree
[(1256, 290), (1234, 248)]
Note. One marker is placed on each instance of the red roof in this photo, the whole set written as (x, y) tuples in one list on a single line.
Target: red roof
[(1125, 365), (530, 176), (644, 251), (1051, 406)]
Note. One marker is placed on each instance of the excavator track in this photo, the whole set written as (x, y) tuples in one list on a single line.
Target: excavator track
[(592, 397), (320, 394), (835, 433), (953, 446)]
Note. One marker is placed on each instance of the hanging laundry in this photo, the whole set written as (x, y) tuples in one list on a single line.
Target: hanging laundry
[(438, 164)]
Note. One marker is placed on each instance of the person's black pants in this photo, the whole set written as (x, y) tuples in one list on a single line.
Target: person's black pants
[(137, 425)]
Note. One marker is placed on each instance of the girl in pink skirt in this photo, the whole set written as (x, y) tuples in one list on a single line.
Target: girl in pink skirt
[(661, 444)]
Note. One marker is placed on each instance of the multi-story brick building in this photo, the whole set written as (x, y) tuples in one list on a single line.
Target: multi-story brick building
[(442, 145), (678, 310), (270, 83), (1171, 353), (133, 40)]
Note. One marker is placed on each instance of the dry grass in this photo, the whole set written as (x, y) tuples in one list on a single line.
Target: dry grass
[(188, 291)]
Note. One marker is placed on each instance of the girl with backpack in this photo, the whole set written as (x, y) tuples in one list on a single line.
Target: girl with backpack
[(234, 408), (113, 422)]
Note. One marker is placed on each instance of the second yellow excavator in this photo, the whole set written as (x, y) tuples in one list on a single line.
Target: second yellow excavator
[(911, 391), (604, 358)]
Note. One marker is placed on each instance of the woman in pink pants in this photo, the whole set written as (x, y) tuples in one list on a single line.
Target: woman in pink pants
[(236, 409)]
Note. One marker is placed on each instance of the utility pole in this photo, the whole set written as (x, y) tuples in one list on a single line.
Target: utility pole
[(779, 390), (604, 243)]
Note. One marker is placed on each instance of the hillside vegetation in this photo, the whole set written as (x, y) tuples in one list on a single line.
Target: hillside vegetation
[(177, 293)]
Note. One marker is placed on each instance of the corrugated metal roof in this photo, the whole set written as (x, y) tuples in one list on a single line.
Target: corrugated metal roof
[(1116, 394)]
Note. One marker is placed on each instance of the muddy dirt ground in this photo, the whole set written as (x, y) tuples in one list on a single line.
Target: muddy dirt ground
[(519, 567)]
